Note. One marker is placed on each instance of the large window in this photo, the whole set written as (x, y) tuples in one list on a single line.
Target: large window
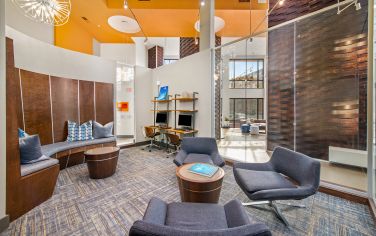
[(246, 73), (243, 110)]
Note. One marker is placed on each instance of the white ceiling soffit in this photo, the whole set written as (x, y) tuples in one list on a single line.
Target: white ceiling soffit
[(124, 24)]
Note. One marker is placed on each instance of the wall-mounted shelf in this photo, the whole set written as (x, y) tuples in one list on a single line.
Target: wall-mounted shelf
[(185, 99), (186, 110), (161, 101), (161, 110)]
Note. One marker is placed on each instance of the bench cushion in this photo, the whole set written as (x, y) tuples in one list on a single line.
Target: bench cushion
[(28, 169), (54, 148)]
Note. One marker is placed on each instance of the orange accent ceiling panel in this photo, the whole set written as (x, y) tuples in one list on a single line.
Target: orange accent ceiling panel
[(73, 37), (187, 4)]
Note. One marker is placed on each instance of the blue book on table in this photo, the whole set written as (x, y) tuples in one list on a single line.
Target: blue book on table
[(203, 169)]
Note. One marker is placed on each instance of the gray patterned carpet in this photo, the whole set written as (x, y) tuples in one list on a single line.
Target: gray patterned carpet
[(81, 206)]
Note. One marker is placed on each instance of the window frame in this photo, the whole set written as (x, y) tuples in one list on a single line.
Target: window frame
[(258, 80)]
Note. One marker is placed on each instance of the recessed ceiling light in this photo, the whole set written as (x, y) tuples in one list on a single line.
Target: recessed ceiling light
[(124, 24), (99, 26), (219, 23)]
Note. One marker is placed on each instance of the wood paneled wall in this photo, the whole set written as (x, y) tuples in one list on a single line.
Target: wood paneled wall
[(293, 9), (48, 102), (327, 102), (155, 57), (280, 88), (189, 47), (64, 96)]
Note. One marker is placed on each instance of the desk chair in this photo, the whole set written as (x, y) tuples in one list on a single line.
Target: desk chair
[(174, 140), (150, 134), (266, 183)]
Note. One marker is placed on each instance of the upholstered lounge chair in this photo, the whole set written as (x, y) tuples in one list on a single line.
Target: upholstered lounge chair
[(196, 219), (288, 175), (202, 150)]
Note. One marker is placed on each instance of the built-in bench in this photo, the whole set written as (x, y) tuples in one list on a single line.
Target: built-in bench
[(72, 153)]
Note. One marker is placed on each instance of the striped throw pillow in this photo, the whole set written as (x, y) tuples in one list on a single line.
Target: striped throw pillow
[(78, 132)]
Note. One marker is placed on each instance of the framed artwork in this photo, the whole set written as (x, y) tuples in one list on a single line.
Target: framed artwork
[(122, 106)]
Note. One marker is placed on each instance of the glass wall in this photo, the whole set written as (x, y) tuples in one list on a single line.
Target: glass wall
[(241, 89), (316, 93)]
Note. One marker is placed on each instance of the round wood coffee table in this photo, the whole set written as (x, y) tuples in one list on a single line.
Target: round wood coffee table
[(197, 188), (102, 162)]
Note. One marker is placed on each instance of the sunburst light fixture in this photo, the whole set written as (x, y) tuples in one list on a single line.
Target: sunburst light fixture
[(52, 12)]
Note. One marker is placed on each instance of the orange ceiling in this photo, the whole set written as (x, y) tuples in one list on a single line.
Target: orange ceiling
[(187, 4), (164, 18)]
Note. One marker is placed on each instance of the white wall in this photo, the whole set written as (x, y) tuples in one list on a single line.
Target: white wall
[(16, 20), (143, 93), (34, 55), (141, 58), (122, 52), (2, 112), (190, 74)]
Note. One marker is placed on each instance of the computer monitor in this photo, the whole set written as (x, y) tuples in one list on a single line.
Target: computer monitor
[(185, 120), (161, 118)]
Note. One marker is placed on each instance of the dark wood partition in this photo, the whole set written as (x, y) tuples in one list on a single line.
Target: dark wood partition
[(41, 104), (86, 101), (22, 193), (64, 95), (104, 102), (13, 110)]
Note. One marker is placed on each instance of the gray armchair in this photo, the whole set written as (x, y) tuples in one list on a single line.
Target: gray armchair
[(202, 150), (196, 219), (264, 183)]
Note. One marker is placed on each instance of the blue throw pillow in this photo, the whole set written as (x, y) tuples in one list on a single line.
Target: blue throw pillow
[(30, 149), (78, 132), (103, 131), (22, 133)]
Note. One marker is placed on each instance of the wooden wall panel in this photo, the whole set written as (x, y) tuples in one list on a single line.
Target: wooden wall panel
[(13, 111), (37, 105), (104, 102), (87, 109), (281, 88), (331, 78), (64, 95), (155, 57), (328, 82), (189, 47), (293, 9)]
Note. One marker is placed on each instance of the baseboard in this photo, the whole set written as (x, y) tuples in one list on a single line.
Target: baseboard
[(372, 208), (138, 144), (343, 192), (124, 136), (4, 223)]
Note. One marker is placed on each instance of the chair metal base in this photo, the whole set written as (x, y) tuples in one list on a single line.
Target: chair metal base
[(273, 205), (150, 146)]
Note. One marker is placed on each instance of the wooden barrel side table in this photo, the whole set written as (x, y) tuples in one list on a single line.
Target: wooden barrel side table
[(197, 188), (102, 162)]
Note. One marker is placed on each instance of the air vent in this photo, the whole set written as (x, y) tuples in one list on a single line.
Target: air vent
[(85, 19), (244, 0)]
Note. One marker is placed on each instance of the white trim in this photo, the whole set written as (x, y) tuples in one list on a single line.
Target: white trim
[(51, 108), (95, 105), (78, 102), (22, 103)]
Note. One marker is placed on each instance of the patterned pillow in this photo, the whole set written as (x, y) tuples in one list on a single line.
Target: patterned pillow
[(22, 133), (78, 132)]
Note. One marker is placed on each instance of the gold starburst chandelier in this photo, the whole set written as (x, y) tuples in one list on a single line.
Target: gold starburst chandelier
[(52, 12)]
